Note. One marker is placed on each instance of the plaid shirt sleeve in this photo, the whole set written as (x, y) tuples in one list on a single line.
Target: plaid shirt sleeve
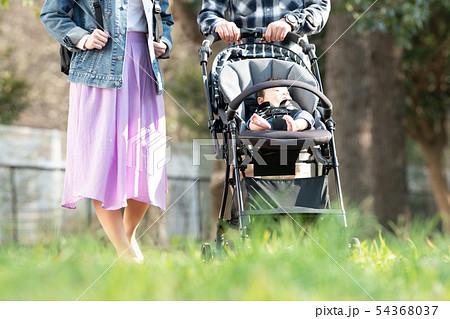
[(213, 12), (319, 10), (259, 13)]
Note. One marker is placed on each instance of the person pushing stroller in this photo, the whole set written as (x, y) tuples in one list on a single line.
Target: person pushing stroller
[(226, 17), (277, 111)]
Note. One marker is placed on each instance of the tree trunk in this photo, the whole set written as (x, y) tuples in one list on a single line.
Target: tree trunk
[(362, 80), (433, 142), (433, 159), (345, 85), (388, 129)]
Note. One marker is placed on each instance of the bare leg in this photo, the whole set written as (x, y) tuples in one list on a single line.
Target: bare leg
[(302, 124), (112, 223), (291, 125), (134, 213), (299, 124)]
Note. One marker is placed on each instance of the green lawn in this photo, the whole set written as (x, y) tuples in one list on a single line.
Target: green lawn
[(284, 263)]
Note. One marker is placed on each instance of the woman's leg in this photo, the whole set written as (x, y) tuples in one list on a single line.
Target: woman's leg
[(112, 223), (132, 217)]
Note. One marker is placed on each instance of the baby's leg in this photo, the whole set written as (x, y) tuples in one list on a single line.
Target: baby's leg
[(299, 124), (291, 125), (302, 124), (258, 123)]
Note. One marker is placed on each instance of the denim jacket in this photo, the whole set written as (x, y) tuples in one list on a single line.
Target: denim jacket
[(101, 68)]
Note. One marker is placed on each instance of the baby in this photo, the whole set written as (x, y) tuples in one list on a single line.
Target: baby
[(277, 111)]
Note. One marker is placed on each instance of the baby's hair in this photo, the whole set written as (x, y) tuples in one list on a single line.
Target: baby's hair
[(260, 93)]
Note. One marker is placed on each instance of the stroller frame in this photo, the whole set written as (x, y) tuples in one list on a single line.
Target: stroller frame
[(231, 149)]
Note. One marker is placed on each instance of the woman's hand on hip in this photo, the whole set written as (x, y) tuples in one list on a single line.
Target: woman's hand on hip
[(97, 40), (160, 48)]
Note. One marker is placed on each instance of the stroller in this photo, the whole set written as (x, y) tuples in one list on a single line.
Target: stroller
[(237, 73)]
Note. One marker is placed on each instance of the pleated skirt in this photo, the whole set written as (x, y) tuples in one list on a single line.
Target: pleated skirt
[(116, 138)]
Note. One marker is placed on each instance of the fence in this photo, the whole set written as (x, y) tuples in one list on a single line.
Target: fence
[(30, 213), (31, 183)]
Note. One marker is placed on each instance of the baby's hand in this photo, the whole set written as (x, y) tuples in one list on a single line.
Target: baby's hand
[(260, 122)]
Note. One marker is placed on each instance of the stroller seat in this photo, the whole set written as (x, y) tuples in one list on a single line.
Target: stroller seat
[(240, 75)]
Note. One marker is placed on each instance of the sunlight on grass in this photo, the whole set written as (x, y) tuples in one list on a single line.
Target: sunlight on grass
[(282, 261)]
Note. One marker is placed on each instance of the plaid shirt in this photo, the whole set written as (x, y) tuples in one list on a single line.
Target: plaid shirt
[(259, 13)]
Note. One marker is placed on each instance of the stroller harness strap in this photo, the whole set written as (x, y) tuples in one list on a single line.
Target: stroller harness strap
[(269, 111)]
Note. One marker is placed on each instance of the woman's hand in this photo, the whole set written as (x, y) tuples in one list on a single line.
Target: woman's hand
[(96, 40), (160, 48)]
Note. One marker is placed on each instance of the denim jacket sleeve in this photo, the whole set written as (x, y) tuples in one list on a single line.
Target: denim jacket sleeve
[(167, 21), (55, 16)]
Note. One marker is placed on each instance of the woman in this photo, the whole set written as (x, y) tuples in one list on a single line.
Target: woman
[(116, 111)]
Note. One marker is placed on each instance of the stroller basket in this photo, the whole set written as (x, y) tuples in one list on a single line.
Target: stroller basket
[(269, 194), (306, 196)]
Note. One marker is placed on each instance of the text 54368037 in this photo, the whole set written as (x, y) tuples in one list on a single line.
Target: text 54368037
[(406, 310)]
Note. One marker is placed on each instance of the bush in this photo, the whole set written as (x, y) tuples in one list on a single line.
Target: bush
[(13, 91)]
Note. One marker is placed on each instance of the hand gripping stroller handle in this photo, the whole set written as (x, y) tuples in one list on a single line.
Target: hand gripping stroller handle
[(243, 33), (253, 33), (205, 50), (234, 105)]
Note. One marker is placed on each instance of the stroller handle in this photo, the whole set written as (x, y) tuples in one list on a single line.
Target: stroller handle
[(234, 105), (252, 33)]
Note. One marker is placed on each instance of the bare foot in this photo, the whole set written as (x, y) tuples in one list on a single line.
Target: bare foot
[(291, 125), (131, 260), (260, 122), (129, 256), (137, 250)]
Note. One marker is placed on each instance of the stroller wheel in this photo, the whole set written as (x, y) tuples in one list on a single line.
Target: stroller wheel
[(206, 252), (229, 248)]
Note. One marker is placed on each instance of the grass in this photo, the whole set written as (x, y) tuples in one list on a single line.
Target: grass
[(283, 263)]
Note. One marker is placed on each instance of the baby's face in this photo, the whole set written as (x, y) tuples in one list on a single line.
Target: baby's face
[(276, 95)]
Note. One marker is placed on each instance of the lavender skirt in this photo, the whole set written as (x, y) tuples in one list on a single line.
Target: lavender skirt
[(116, 139)]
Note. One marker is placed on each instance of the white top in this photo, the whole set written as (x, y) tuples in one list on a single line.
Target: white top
[(136, 20), (136, 17)]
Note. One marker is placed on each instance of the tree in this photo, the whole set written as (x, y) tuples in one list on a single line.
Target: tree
[(426, 65), (388, 151), (345, 67), (13, 91), (369, 135), (419, 35)]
